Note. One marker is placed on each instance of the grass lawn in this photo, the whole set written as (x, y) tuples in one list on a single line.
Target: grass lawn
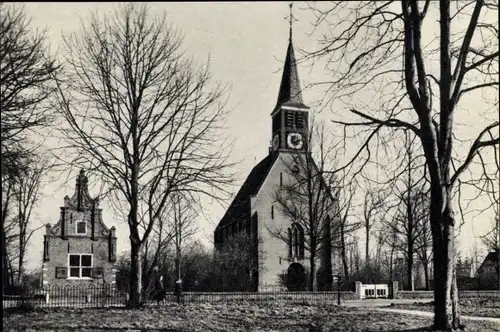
[(481, 307), (232, 318)]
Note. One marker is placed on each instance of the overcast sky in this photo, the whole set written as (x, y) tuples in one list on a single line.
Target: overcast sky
[(246, 42)]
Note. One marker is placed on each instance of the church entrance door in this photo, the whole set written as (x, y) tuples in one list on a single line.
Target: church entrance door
[(296, 277)]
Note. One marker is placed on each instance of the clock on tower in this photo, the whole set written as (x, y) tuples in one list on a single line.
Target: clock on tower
[(294, 141)]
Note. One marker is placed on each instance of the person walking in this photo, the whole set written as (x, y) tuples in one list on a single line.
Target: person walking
[(159, 290)]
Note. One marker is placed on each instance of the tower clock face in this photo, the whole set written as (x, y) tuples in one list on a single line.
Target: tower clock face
[(276, 142), (294, 141)]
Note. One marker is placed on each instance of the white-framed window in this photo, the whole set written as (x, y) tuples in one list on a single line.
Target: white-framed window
[(81, 227), (80, 266)]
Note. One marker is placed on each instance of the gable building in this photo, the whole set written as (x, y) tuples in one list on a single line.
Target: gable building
[(79, 249)]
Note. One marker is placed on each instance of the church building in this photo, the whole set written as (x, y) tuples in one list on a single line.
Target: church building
[(254, 209), (79, 249)]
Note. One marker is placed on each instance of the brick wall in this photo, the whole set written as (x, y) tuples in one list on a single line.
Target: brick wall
[(61, 240)]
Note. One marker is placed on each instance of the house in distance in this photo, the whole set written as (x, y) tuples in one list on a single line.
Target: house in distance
[(79, 249)]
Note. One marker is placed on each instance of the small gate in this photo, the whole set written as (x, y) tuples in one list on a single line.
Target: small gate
[(374, 291)]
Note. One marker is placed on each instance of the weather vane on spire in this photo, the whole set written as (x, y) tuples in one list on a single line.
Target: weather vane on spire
[(291, 19)]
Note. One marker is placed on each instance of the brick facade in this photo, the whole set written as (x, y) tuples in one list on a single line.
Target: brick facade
[(79, 249)]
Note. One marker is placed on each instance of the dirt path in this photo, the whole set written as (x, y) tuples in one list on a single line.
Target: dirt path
[(382, 302), (431, 314)]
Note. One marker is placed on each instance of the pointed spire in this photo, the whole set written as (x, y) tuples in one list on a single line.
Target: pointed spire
[(81, 197), (291, 19), (290, 93)]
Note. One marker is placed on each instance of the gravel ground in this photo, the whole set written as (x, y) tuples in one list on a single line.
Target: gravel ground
[(218, 318)]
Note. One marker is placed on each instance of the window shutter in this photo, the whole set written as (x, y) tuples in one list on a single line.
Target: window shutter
[(61, 272), (289, 119), (299, 120), (45, 248), (97, 273)]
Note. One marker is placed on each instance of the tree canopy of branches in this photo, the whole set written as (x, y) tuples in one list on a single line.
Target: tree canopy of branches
[(410, 216), (27, 191), (347, 224), (143, 118), (26, 76), (372, 207), (236, 263), (174, 227), (383, 52)]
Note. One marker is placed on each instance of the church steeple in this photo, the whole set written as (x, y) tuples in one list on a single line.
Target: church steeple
[(290, 93), (290, 116)]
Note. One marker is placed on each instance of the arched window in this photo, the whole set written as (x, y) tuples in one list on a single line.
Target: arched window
[(296, 241)]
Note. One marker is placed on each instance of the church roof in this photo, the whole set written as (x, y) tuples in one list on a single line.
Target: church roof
[(240, 207), (490, 260), (290, 93)]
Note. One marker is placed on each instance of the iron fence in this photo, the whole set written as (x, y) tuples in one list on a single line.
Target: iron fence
[(101, 296), (111, 296), (68, 297)]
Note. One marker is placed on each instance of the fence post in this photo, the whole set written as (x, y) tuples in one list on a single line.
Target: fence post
[(47, 297), (338, 289), (178, 290), (395, 289), (359, 294)]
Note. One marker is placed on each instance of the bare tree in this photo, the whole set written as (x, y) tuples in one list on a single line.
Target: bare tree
[(27, 191), (8, 232), (372, 205), (380, 52), (236, 262), (182, 224), (409, 191), (347, 226), (423, 242), (391, 240), (309, 198), (26, 71), (143, 118)]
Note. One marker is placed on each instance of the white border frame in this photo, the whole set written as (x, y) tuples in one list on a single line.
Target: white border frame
[(91, 266), (76, 228)]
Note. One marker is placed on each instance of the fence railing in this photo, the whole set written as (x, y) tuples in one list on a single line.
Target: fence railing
[(462, 294), (111, 296)]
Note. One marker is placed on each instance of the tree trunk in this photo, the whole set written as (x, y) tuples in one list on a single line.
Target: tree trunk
[(21, 267), (426, 274), (367, 247), (22, 248), (409, 278), (498, 261), (312, 273), (5, 264), (136, 275), (5, 261), (446, 306), (344, 260)]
